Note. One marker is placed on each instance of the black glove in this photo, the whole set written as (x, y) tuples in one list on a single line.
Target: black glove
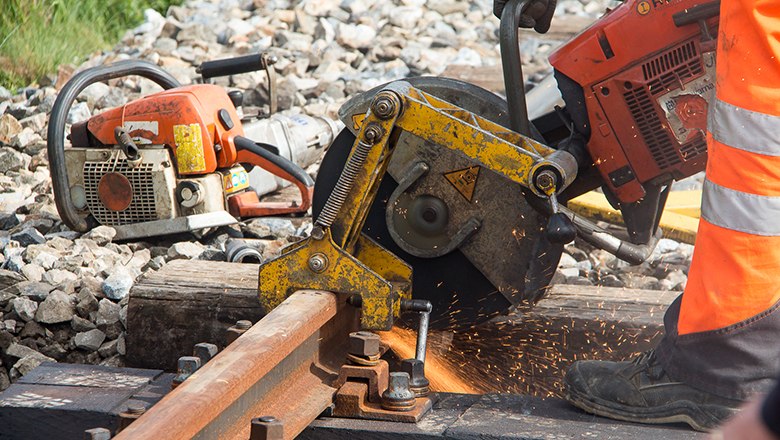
[(537, 14)]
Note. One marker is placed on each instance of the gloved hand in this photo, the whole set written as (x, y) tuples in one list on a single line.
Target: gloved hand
[(537, 14)]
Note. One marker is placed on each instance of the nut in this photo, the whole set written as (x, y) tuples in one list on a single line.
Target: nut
[(384, 107), (398, 396), (364, 344), (204, 351), (318, 263), (373, 133), (418, 383), (266, 428)]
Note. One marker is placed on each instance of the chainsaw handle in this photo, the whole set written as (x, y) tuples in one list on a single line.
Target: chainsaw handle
[(232, 66), (56, 133), (291, 170), (697, 13)]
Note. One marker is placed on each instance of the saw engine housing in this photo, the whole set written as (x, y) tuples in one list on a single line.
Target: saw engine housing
[(636, 85)]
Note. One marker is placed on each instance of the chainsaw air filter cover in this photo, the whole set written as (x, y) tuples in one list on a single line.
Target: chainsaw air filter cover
[(117, 192)]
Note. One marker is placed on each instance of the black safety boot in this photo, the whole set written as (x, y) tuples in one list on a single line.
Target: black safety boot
[(641, 391)]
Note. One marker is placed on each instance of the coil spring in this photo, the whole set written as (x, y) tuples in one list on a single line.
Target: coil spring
[(344, 185)]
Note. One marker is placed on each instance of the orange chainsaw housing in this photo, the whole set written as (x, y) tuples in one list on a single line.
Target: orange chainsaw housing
[(625, 65), (153, 119), (199, 124)]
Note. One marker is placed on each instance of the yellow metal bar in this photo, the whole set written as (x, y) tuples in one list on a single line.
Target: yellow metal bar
[(498, 149), (595, 206)]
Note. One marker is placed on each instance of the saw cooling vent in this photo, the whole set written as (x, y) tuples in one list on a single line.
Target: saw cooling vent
[(142, 206), (672, 67)]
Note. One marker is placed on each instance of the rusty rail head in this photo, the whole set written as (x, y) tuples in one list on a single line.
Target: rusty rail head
[(283, 367)]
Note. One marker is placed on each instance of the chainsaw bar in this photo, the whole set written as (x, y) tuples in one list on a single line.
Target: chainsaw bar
[(463, 229)]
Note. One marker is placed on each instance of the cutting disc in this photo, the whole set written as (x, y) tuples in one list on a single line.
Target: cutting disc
[(474, 243)]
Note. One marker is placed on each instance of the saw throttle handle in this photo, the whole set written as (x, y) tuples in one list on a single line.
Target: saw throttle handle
[(235, 66)]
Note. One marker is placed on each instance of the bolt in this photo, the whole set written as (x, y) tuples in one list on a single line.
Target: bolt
[(545, 181), (384, 107), (373, 133), (135, 409), (266, 428), (418, 383), (97, 434), (317, 233), (398, 396), (271, 60), (237, 330), (204, 351), (364, 344), (318, 263), (186, 366)]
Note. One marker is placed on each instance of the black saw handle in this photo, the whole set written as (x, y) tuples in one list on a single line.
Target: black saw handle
[(232, 66)]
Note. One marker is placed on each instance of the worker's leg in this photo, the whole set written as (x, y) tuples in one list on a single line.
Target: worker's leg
[(721, 342)]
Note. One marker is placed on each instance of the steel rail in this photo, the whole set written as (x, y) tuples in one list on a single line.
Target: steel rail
[(282, 367)]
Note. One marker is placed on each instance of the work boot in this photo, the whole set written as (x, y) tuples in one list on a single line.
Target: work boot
[(640, 391)]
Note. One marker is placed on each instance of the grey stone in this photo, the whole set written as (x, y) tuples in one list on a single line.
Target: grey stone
[(86, 303), (185, 250), (112, 331), (120, 345), (58, 277), (32, 271), (156, 263), (36, 122), (355, 36), (29, 363), (123, 316), (32, 330), (275, 227), (567, 261), (12, 160), (101, 235), (90, 340), (114, 98), (118, 284), (8, 220), (94, 92), (56, 308), (611, 280), (9, 278), (18, 351), (5, 381), (15, 263), (24, 308), (33, 290), (6, 297), (108, 312), (9, 127), (54, 350), (78, 112), (108, 348), (80, 324)]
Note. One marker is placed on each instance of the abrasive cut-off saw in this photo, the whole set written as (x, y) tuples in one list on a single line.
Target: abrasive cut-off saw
[(181, 159), (470, 195)]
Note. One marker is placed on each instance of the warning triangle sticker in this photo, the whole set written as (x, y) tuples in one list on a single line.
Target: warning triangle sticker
[(464, 180), (357, 120)]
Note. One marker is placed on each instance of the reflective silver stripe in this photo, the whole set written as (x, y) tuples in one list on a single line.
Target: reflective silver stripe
[(739, 211), (744, 129)]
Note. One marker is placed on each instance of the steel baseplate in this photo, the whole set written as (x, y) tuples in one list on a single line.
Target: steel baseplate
[(360, 396), (380, 278)]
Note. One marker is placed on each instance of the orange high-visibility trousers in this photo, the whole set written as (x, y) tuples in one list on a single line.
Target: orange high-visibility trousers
[(723, 334)]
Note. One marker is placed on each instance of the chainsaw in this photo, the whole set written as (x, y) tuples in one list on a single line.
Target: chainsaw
[(178, 160), (441, 190)]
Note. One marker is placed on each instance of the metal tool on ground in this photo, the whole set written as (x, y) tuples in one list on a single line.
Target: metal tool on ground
[(472, 195), (173, 161)]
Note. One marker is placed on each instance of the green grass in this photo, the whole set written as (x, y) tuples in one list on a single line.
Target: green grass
[(36, 36)]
